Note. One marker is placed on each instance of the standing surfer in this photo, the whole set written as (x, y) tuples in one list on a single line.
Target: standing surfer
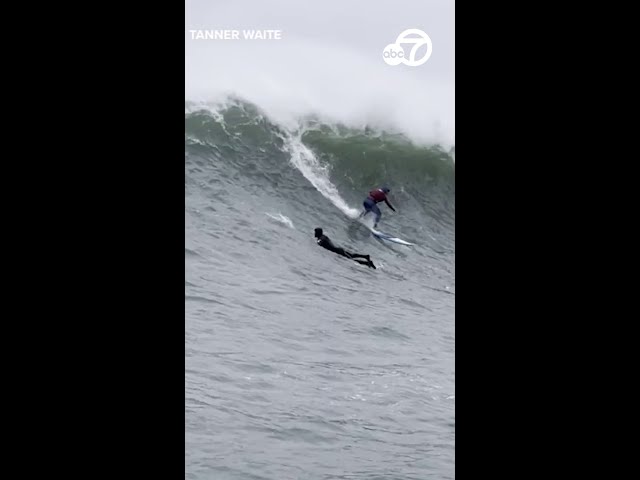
[(370, 204)]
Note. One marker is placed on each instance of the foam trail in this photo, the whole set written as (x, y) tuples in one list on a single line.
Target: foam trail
[(282, 219), (308, 164)]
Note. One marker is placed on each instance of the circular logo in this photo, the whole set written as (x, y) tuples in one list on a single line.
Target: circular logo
[(394, 54)]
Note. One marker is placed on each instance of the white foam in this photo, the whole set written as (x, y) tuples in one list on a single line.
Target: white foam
[(338, 85), (281, 218), (313, 170)]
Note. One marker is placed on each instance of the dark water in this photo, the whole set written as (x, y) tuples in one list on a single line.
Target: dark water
[(301, 364)]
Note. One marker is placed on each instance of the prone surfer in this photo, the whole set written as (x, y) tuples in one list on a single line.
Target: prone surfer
[(376, 196), (325, 242)]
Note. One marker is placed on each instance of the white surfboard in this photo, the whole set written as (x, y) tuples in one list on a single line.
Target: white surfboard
[(389, 237)]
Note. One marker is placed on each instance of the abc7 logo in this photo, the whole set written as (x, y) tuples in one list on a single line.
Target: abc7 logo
[(394, 54)]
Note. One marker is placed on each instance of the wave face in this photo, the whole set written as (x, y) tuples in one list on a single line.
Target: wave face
[(340, 162), (300, 350)]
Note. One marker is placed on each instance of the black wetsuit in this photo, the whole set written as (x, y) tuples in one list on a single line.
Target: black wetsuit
[(325, 242)]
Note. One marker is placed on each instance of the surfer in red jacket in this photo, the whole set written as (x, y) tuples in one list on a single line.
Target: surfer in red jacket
[(375, 197)]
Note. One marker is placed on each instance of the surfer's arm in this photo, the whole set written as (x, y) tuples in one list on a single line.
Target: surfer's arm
[(389, 205), (325, 242)]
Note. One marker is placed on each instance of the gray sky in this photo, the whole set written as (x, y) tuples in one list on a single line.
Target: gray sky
[(329, 59)]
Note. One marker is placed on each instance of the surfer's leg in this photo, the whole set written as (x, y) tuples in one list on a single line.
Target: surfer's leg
[(357, 256), (366, 262), (368, 205), (378, 213)]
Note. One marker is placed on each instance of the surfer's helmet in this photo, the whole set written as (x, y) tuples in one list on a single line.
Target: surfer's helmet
[(318, 232), (385, 189)]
